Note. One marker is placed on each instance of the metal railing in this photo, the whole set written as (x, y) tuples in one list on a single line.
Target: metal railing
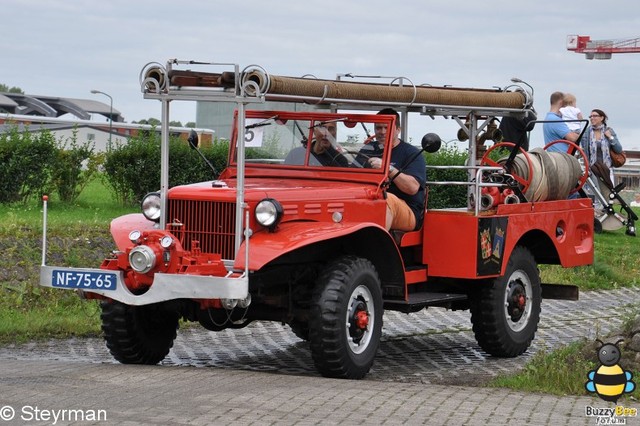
[(475, 184)]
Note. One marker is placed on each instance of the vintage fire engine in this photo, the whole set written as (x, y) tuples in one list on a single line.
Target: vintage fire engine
[(281, 236)]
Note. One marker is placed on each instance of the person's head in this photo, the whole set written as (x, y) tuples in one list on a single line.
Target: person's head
[(324, 135), (598, 117), (569, 100), (381, 129), (556, 100)]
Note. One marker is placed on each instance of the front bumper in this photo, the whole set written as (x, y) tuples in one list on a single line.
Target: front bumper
[(165, 286)]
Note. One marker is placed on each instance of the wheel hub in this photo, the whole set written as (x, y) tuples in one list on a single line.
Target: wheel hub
[(516, 300), (362, 320), (359, 321)]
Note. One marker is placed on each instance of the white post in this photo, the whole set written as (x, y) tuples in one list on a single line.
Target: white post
[(45, 198)]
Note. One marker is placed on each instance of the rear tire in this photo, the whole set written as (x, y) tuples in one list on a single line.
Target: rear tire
[(138, 334), (506, 314), (346, 318)]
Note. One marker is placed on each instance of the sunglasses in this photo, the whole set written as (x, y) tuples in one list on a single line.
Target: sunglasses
[(594, 116)]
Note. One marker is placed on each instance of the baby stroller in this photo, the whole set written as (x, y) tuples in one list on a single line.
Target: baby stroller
[(606, 217)]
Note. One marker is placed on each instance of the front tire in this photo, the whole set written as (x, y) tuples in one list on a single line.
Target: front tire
[(138, 334), (506, 315), (346, 318)]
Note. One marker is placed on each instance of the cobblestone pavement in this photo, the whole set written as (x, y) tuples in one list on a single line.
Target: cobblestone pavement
[(424, 374), (431, 346), (113, 394)]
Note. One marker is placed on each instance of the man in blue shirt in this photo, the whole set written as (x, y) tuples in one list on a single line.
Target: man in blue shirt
[(554, 131), (405, 197)]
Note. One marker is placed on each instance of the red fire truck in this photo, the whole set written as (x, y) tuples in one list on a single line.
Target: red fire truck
[(282, 236)]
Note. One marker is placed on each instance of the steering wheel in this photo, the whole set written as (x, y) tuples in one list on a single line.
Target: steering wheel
[(525, 182), (356, 155), (573, 148), (338, 160)]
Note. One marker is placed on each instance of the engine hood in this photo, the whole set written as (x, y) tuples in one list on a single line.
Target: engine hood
[(282, 189)]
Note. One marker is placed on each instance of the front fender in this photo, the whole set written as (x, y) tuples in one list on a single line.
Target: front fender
[(264, 247), (123, 225)]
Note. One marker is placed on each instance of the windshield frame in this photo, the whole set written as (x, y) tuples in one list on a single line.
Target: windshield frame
[(306, 169)]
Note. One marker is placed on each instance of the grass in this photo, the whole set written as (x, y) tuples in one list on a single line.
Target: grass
[(545, 373), (94, 207), (62, 317)]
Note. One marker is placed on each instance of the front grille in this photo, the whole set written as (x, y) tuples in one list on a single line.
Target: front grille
[(209, 222)]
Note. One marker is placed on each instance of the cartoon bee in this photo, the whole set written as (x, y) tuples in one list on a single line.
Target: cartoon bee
[(609, 381)]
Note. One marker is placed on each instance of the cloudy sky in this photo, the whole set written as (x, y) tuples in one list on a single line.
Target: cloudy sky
[(69, 47)]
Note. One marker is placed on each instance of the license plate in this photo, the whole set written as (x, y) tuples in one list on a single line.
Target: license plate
[(84, 280)]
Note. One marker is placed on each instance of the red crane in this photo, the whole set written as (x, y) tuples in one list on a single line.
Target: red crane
[(602, 49)]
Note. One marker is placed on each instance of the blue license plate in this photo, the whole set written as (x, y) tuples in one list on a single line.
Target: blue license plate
[(84, 280)]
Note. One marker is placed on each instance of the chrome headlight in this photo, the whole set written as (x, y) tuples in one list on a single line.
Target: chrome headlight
[(142, 259), (151, 206), (268, 213)]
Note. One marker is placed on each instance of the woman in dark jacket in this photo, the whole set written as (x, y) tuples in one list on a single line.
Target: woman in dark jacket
[(597, 140)]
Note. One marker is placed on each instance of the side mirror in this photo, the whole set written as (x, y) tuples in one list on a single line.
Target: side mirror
[(193, 139), (431, 142)]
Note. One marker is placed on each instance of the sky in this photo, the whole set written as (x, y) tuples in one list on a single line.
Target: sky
[(67, 48)]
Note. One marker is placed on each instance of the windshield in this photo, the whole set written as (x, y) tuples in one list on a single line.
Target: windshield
[(314, 140)]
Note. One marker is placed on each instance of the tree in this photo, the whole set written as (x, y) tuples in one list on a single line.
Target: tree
[(150, 121), (156, 123), (7, 89)]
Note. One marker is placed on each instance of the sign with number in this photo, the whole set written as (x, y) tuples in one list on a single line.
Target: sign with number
[(253, 136)]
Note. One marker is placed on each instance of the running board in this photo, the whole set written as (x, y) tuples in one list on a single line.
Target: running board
[(417, 301)]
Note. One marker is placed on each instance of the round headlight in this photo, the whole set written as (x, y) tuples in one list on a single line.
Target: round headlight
[(268, 213), (142, 259), (151, 206)]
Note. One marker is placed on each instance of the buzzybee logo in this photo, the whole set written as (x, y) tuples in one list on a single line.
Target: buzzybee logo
[(609, 381)]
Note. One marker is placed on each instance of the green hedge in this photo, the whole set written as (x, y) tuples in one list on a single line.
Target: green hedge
[(133, 169), (75, 166), (447, 196), (35, 163)]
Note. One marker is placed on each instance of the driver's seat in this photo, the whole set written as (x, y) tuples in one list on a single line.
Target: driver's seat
[(410, 238)]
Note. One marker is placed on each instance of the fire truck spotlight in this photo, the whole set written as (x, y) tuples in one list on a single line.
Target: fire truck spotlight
[(268, 213), (151, 206), (142, 259)]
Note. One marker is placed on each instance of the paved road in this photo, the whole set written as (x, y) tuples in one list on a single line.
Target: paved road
[(425, 373), (143, 395)]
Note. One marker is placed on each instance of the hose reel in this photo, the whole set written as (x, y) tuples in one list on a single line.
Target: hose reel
[(540, 175)]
